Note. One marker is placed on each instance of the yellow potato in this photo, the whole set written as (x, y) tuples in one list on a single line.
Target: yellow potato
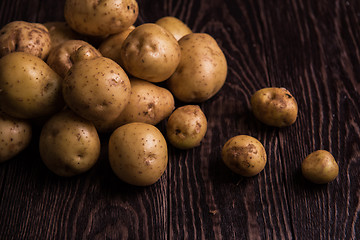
[(175, 26), (60, 32)]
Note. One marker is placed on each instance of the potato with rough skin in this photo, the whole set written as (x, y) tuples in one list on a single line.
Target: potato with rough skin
[(61, 32), (61, 59), (138, 153), (175, 26), (274, 107), (21, 36), (100, 18), (186, 127), (68, 144), (244, 155), (15, 136), (97, 89), (29, 88), (151, 53), (320, 167), (202, 69)]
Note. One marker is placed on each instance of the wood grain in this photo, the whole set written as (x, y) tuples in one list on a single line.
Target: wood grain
[(312, 48)]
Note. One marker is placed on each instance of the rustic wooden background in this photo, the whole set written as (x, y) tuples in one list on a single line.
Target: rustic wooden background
[(310, 47)]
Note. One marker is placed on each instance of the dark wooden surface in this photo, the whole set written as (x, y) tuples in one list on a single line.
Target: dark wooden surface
[(310, 47)]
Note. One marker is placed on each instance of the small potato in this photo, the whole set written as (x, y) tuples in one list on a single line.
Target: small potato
[(186, 127), (61, 59), (244, 155), (60, 32), (97, 89), (320, 167), (138, 153), (69, 145), (20, 36), (202, 69), (15, 136), (100, 18), (175, 26), (274, 107), (151, 53), (29, 88)]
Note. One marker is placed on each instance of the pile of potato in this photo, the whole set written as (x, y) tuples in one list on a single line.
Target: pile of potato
[(98, 73)]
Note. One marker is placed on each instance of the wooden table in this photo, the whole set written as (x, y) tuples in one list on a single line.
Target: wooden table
[(310, 47)]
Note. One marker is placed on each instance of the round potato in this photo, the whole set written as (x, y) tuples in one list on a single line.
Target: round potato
[(186, 127), (150, 52), (97, 89), (138, 153), (61, 59), (100, 18), (320, 167), (274, 107), (29, 88), (60, 32), (15, 136), (68, 144), (20, 36), (244, 155), (175, 26), (202, 69)]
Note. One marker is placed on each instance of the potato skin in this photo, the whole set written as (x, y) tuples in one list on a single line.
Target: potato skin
[(320, 167), (61, 32), (202, 69), (274, 107), (29, 88), (138, 153), (151, 53), (15, 136), (175, 26), (21, 36), (186, 127), (69, 145), (100, 18), (244, 155)]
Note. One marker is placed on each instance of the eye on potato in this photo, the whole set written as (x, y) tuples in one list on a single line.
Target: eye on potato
[(150, 52), (29, 88), (138, 153), (202, 69), (100, 18), (69, 145), (175, 26), (15, 136), (186, 127), (274, 107), (60, 32), (244, 155)]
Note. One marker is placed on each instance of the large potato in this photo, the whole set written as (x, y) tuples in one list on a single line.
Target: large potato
[(68, 144), (274, 106), (60, 32), (175, 26), (150, 52), (100, 18), (20, 36), (97, 89), (29, 88), (15, 136), (138, 153), (202, 69)]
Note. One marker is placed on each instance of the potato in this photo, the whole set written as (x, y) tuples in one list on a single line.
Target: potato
[(175, 26), (150, 52), (60, 32), (274, 107), (97, 89), (320, 167), (100, 18), (186, 127), (21, 36), (202, 69), (138, 153), (61, 58), (69, 145), (15, 136), (29, 88), (244, 155)]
